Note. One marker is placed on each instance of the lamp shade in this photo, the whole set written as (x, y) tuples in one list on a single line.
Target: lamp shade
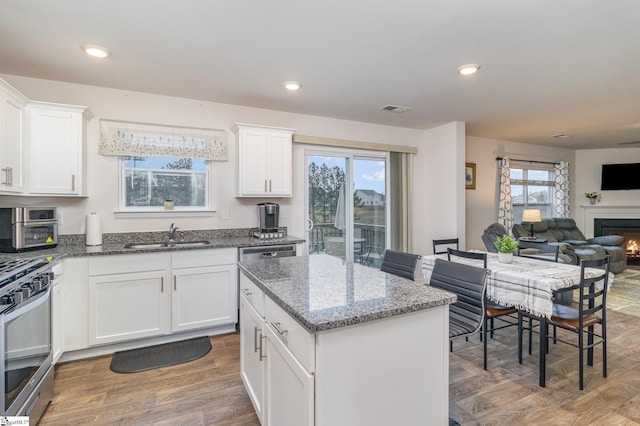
[(531, 216)]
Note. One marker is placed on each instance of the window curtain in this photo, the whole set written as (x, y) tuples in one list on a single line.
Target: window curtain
[(400, 201), (120, 138), (561, 177), (505, 206)]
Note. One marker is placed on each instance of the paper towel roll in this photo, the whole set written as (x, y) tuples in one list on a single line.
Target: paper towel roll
[(94, 230)]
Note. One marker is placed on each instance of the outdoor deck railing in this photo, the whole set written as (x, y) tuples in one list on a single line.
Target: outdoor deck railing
[(374, 236)]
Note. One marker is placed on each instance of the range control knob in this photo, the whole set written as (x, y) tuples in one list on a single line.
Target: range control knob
[(7, 299)]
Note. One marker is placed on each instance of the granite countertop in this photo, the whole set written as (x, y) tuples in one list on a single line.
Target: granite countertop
[(321, 292), (74, 245)]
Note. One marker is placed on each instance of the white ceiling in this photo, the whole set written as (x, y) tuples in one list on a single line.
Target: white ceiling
[(548, 66)]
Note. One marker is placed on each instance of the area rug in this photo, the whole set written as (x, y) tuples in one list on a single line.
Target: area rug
[(142, 359), (624, 296)]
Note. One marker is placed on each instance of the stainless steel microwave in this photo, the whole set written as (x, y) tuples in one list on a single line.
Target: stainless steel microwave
[(28, 228)]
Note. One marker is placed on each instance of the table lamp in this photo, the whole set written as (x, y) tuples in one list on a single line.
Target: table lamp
[(531, 216)]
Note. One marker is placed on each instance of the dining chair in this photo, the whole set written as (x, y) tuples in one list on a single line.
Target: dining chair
[(447, 242), (583, 319), (495, 311), (400, 263), (469, 283)]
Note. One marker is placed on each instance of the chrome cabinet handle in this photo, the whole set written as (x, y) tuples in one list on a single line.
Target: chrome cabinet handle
[(246, 292), (276, 325), (8, 177), (73, 182), (265, 185), (175, 282), (161, 284), (255, 338), (262, 356), (269, 185)]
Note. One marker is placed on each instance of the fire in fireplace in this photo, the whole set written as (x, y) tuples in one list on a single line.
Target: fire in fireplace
[(628, 228)]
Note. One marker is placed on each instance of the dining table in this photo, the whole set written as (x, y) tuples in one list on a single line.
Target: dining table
[(526, 283)]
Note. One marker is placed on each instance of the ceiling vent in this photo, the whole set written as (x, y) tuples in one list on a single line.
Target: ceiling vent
[(394, 108)]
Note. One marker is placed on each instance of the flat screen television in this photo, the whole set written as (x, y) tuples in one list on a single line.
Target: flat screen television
[(620, 176)]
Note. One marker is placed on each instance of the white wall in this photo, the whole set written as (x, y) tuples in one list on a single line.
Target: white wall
[(481, 203), (588, 175), (438, 210), (436, 180)]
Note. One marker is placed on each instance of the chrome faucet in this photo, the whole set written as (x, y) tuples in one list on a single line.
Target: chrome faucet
[(172, 231)]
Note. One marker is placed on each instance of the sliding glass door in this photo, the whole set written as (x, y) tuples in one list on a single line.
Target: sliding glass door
[(346, 205)]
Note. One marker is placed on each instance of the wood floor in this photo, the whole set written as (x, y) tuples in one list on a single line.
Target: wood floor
[(209, 391)]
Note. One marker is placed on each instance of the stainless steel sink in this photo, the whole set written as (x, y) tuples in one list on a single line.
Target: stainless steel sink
[(166, 244)]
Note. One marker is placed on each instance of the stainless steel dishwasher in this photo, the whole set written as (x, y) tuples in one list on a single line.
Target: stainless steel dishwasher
[(266, 252)]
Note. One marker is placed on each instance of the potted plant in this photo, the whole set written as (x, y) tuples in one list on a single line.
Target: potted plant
[(506, 245), (593, 197)]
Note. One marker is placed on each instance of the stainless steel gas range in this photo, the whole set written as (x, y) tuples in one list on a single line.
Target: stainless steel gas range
[(25, 337)]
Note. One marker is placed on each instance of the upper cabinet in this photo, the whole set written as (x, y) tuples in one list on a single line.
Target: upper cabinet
[(264, 167), (57, 149), (12, 139)]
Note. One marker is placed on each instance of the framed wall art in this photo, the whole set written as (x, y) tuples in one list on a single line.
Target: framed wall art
[(470, 175)]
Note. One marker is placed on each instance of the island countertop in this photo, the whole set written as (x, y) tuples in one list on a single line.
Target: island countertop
[(323, 292)]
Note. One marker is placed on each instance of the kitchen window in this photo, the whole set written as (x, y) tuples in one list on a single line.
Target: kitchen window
[(152, 184), (532, 188)]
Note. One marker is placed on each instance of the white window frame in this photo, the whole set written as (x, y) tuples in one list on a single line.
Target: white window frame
[(525, 182), (123, 210)]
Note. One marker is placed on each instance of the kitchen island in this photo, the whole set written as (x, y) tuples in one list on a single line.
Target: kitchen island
[(325, 342)]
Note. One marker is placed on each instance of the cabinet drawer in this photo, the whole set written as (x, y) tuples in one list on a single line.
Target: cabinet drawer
[(299, 341), (197, 258), (253, 294), (109, 265)]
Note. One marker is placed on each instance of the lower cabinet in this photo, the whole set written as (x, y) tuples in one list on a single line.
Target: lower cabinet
[(145, 295), (127, 306), (290, 391), (252, 351), (280, 387)]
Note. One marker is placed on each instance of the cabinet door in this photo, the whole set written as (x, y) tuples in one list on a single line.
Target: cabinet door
[(290, 388), (204, 297), (128, 306), (252, 162), (252, 362), (280, 169), (55, 151), (12, 143)]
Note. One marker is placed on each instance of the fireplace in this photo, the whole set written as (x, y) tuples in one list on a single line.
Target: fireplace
[(628, 228)]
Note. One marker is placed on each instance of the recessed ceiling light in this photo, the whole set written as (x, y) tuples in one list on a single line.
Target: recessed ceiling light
[(468, 69), (95, 50), (292, 85)]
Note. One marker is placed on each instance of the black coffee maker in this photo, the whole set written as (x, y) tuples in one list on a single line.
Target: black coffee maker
[(269, 216)]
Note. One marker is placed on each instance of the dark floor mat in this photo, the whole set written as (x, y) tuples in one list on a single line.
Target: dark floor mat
[(136, 360)]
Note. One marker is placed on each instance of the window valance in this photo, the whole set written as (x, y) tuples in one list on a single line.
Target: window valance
[(123, 138)]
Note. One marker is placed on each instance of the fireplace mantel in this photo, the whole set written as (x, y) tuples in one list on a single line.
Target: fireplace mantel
[(592, 212)]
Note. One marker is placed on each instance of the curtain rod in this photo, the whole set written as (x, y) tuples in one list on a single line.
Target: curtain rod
[(530, 161)]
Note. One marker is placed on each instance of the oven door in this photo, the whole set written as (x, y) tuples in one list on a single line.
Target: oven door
[(25, 347)]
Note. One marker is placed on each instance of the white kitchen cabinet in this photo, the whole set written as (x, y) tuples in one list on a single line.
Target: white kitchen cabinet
[(12, 139), (252, 351), (204, 296), (151, 294), (129, 297), (290, 387), (264, 161), (57, 149)]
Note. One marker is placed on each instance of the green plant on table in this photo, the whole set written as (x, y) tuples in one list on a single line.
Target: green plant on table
[(506, 244)]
